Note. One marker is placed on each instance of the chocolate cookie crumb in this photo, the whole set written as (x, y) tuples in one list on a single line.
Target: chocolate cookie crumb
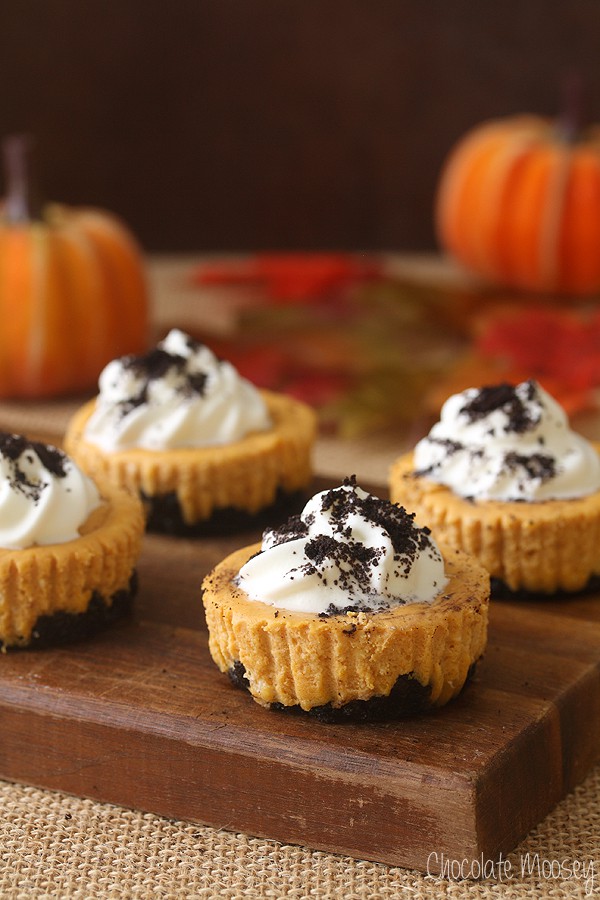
[(12, 448), (153, 366), (535, 465), (503, 396)]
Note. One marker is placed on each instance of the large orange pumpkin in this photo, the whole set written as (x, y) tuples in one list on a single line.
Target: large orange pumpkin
[(72, 293), (519, 204)]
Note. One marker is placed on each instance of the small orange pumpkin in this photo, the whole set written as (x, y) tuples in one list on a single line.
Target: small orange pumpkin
[(519, 203), (73, 292)]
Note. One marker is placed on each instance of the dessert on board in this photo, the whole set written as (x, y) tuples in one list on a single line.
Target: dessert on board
[(205, 449), (68, 546), (504, 477), (348, 611)]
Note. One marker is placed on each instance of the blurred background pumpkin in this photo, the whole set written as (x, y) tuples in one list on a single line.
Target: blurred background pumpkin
[(519, 202), (72, 290)]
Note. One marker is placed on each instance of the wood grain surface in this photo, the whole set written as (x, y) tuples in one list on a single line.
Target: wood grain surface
[(140, 716)]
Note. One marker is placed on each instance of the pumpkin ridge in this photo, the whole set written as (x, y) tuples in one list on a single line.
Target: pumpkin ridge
[(580, 227), (491, 242), (86, 311), (549, 256), (121, 269), (39, 312)]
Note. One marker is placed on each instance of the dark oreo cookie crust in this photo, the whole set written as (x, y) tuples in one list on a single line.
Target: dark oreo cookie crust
[(408, 697), (501, 591), (65, 627), (164, 516)]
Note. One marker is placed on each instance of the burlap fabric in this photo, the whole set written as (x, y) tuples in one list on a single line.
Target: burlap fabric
[(59, 846)]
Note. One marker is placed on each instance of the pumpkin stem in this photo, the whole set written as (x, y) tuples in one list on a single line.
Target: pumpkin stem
[(19, 207), (571, 118)]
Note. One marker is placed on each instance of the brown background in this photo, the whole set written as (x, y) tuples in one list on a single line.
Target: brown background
[(243, 124)]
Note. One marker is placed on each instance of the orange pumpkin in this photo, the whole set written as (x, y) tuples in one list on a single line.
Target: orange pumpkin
[(73, 293), (519, 204)]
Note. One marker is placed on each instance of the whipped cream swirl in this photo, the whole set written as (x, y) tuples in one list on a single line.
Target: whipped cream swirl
[(177, 395), (508, 443), (348, 551), (44, 497)]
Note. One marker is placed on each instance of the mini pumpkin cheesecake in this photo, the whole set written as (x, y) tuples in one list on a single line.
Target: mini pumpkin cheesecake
[(503, 477), (348, 612), (68, 547), (204, 449)]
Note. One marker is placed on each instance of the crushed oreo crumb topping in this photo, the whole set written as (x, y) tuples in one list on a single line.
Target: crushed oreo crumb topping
[(450, 447), (12, 448), (406, 537), (353, 561), (158, 363), (333, 610), (505, 397), (291, 530), (535, 465)]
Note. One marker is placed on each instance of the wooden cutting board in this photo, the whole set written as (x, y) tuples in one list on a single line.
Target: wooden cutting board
[(139, 716)]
